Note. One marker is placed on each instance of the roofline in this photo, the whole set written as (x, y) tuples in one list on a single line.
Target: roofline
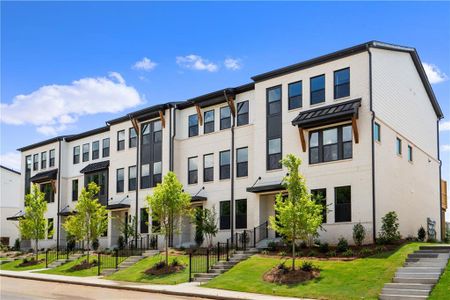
[(9, 169), (87, 133), (43, 143)]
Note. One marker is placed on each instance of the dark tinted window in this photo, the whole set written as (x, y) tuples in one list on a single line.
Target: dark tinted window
[(242, 113), (144, 220), (225, 214), (95, 149), (132, 178), (410, 153), (85, 152), (341, 83), (343, 204), (274, 100), (295, 95), (75, 190), (317, 89), (209, 121), (241, 214), (43, 160), (120, 180), (105, 147), (208, 167), (193, 125), (224, 160), (242, 162), (47, 189), (399, 146), (192, 170), (225, 117), (76, 154), (120, 140), (52, 158), (330, 144), (35, 162), (274, 154), (132, 138)]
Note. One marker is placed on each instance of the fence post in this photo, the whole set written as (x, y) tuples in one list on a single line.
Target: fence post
[(267, 229), (190, 266), (227, 250), (254, 237), (237, 242), (117, 257), (218, 251), (207, 260), (57, 253), (141, 243), (46, 258), (67, 253), (98, 263)]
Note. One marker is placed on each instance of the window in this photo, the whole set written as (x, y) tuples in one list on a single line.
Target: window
[(242, 113), (274, 100), (157, 132), (52, 158), (242, 162), (85, 152), (144, 220), (343, 204), (132, 178), (132, 142), (320, 197), (342, 83), (47, 189), (399, 146), (295, 94), (224, 162), (410, 153), (105, 147), (43, 160), (75, 190), (225, 213), (274, 157), (35, 162), (193, 125), (225, 117), (120, 140), (376, 132), (273, 128), (317, 86), (76, 155), (119, 180), (330, 144), (241, 214), (50, 228), (101, 179), (157, 173), (145, 176), (208, 127), (208, 167), (27, 174), (95, 150), (192, 170)]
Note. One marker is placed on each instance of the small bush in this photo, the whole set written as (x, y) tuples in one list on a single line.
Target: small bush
[(16, 245), (272, 246), (282, 253), (359, 233), (311, 253), (175, 262), (265, 252), (380, 249), (121, 242), (95, 244), (421, 234), (365, 252), (307, 266), (431, 240), (389, 229), (25, 260), (411, 238), (323, 247), (303, 245), (332, 253), (342, 245), (283, 268), (348, 253), (159, 265)]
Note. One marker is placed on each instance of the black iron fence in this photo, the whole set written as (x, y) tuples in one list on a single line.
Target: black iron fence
[(52, 255), (201, 260)]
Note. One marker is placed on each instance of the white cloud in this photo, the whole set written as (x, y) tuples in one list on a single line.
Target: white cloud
[(232, 64), (444, 126), (434, 74), (10, 160), (196, 62), (144, 64), (445, 148), (52, 107)]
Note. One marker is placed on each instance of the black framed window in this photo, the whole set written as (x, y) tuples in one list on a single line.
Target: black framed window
[(241, 214), (295, 90), (50, 228), (144, 221), (274, 154), (242, 113), (410, 153), (51, 162), (330, 144), (132, 178), (208, 126), (105, 147), (145, 176), (43, 160), (132, 138), (320, 197), (398, 146), (85, 152), (225, 214), (157, 132), (120, 178), (75, 190), (95, 150), (27, 174), (242, 162), (193, 125), (342, 204), (35, 162), (225, 117), (208, 167), (377, 132), (342, 83), (317, 87), (274, 100), (157, 172), (273, 128), (47, 189), (76, 155), (192, 170), (120, 140), (224, 164), (101, 179), (146, 138)]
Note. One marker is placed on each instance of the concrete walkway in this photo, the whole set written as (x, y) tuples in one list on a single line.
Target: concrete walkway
[(191, 289)]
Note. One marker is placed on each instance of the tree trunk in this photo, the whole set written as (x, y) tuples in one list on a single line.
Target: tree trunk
[(167, 248), (293, 249), (36, 249)]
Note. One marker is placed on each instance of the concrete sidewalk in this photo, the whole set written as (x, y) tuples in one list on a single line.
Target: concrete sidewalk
[(192, 289)]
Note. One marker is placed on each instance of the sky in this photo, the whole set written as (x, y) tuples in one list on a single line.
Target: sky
[(67, 67)]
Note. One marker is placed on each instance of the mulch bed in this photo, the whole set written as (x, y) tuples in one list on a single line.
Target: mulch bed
[(83, 266), (164, 270), (290, 277), (32, 262)]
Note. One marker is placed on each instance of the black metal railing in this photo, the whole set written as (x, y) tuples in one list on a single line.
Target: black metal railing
[(201, 260), (52, 255), (260, 233), (243, 240)]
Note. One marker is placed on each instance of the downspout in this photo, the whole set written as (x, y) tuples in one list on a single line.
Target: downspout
[(138, 134), (231, 172), (59, 196), (374, 231), (172, 139), (440, 178)]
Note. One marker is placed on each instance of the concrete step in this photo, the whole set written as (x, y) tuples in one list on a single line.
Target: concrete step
[(420, 270), (418, 275), (106, 272), (205, 275), (440, 260), (401, 297), (437, 247), (425, 264), (409, 292), (433, 251), (219, 271), (423, 255), (424, 280), (414, 286)]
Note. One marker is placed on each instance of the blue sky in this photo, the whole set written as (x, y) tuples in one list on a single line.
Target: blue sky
[(77, 49)]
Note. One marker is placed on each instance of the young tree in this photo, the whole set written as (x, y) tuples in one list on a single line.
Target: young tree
[(167, 204), (91, 219), (198, 221), (33, 225), (299, 216), (128, 228), (210, 224)]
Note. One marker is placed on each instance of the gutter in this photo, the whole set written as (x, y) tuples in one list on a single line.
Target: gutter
[(172, 138), (59, 196), (138, 134), (231, 172), (374, 230), (440, 185)]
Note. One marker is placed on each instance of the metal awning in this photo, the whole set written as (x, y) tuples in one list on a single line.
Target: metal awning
[(16, 216), (95, 167), (123, 203), (66, 211), (266, 185), (198, 199), (45, 176)]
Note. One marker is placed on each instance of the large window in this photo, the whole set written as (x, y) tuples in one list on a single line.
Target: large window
[(208, 167), (208, 126), (101, 179), (410, 153), (398, 146), (85, 152), (120, 178), (47, 189), (132, 178), (295, 94), (52, 158), (120, 140), (242, 162), (224, 164), (274, 154), (242, 113), (320, 197), (317, 86), (192, 170), (225, 213), (132, 138), (376, 132), (95, 150), (273, 128), (75, 190), (274, 100), (43, 160), (76, 155), (105, 147), (342, 83), (342, 204), (330, 144), (193, 125), (50, 228), (225, 117), (35, 162), (241, 214)]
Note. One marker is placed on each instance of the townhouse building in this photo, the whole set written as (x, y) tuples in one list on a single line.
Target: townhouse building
[(10, 204), (364, 120)]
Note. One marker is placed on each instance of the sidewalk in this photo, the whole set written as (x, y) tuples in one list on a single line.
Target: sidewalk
[(190, 289)]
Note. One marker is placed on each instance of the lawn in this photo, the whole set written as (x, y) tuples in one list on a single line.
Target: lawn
[(14, 265), (442, 289), (357, 279), (136, 273), (65, 268)]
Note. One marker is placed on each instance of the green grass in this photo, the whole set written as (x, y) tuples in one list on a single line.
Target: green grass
[(442, 288), (65, 268), (358, 279), (135, 273), (14, 265)]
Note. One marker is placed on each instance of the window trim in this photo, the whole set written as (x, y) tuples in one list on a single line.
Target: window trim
[(245, 162), (209, 122), (398, 146), (118, 181), (130, 188), (220, 117), (189, 171), (280, 136), (205, 169), (75, 196), (189, 125), (51, 161), (77, 156), (236, 214), (35, 162), (87, 152), (220, 215), (340, 144), (241, 114), (334, 83), (43, 161), (335, 202), (289, 95), (410, 154), (121, 142), (95, 151), (104, 148), (131, 138), (221, 177), (378, 137), (311, 90)]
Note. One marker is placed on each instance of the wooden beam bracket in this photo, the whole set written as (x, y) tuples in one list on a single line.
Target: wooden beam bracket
[(135, 125), (163, 120), (355, 130), (302, 138), (199, 114)]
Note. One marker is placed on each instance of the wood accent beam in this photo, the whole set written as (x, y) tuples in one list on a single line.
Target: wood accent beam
[(135, 124), (163, 120), (355, 130), (199, 114), (230, 101), (53, 182), (302, 138)]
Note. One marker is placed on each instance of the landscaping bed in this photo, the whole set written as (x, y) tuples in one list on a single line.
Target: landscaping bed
[(78, 267), (25, 264)]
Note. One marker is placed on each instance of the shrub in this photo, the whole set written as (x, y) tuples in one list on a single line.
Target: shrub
[(95, 244), (365, 252), (16, 245), (342, 245), (359, 233), (282, 253), (421, 234), (71, 243), (389, 229), (272, 246), (120, 242), (303, 245), (307, 266), (175, 262), (159, 265), (311, 253), (25, 260), (332, 253), (348, 253), (380, 249), (265, 252), (324, 248), (282, 267)]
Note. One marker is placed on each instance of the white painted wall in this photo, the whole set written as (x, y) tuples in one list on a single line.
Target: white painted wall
[(10, 203)]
